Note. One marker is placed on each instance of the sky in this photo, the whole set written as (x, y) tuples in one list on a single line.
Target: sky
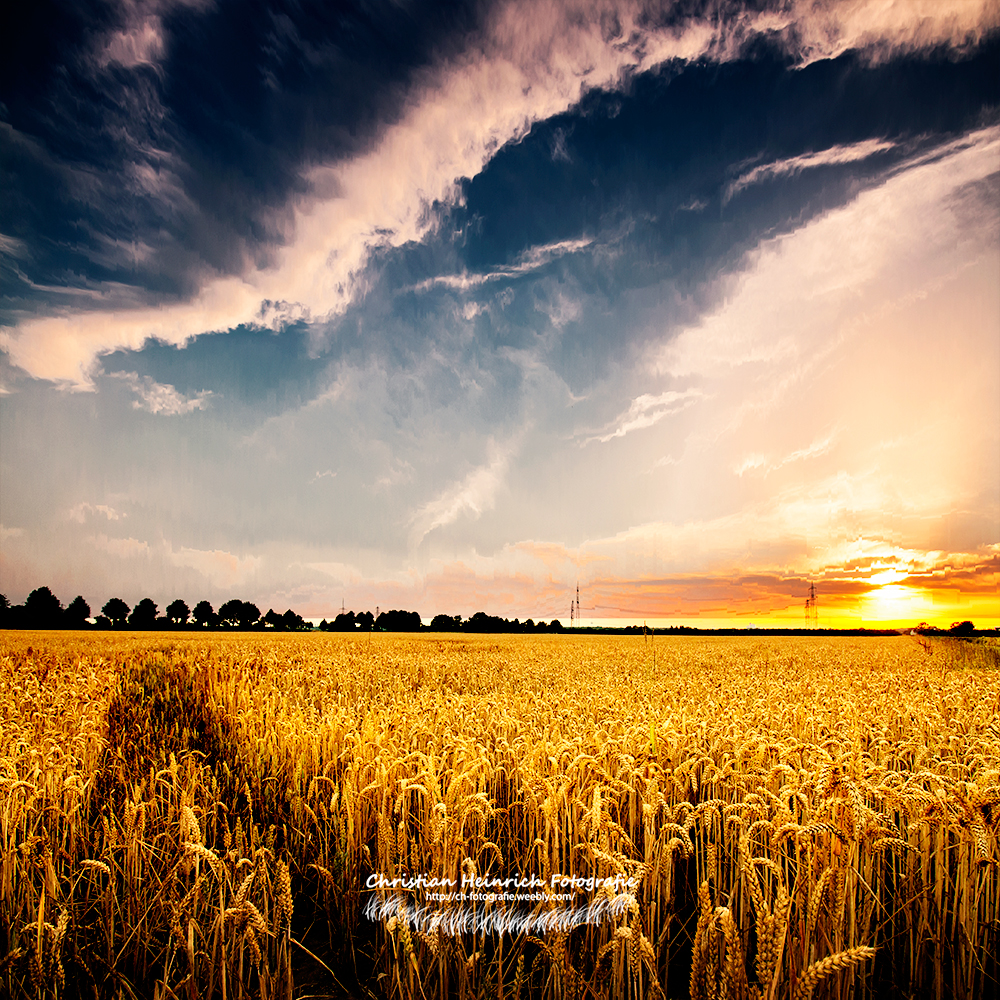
[(456, 306)]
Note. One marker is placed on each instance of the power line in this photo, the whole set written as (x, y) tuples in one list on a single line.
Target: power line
[(812, 611)]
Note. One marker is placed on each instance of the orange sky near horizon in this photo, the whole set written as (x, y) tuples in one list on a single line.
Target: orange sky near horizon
[(876, 595)]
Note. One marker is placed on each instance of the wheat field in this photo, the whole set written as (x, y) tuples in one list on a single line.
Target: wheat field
[(191, 816)]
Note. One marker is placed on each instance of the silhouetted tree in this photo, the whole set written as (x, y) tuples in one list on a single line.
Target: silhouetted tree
[(4, 609), (143, 614), (203, 614), (178, 612), (42, 609), (229, 613), (344, 623), (365, 621), (965, 628), (398, 621), (249, 613), (116, 611), (76, 615), (293, 622), (446, 623), (288, 622), (482, 622), (238, 614)]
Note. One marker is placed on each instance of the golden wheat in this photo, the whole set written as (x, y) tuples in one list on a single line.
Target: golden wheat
[(189, 805)]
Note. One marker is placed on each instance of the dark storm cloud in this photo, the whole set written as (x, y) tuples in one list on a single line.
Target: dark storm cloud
[(629, 203), (655, 189), (261, 91), (150, 145), (191, 160), (657, 160), (153, 149)]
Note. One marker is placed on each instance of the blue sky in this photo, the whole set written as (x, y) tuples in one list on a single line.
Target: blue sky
[(452, 307)]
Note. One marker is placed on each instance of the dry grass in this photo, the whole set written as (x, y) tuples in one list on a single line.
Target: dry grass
[(805, 817)]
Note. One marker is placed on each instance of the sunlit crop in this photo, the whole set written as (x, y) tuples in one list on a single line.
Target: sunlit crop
[(199, 816)]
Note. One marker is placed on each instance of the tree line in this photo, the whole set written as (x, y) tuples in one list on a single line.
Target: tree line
[(409, 621), (962, 630), (43, 610)]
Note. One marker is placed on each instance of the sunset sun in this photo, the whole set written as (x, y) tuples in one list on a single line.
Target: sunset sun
[(892, 604)]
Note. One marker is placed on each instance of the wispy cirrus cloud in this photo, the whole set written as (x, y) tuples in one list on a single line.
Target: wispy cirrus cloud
[(529, 261), (139, 38), (756, 462), (470, 497), (881, 30), (139, 45), (646, 411), (821, 269), (834, 156), (11, 246), (155, 397)]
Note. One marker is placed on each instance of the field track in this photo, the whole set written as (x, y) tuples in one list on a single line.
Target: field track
[(190, 815)]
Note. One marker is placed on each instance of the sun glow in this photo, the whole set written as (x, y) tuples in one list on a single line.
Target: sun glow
[(892, 602)]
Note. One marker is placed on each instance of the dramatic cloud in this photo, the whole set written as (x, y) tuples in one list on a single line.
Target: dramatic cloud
[(457, 305), (819, 272), (526, 66), (139, 46)]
